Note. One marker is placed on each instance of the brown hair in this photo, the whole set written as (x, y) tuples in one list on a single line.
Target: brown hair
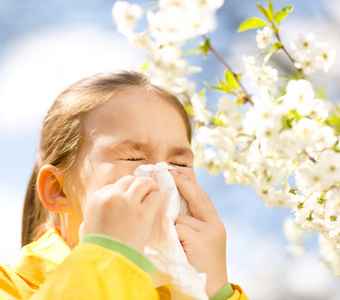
[(62, 135)]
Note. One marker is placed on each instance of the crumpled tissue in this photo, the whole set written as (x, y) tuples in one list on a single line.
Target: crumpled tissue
[(163, 248)]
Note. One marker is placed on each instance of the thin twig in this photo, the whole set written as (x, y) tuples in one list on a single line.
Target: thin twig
[(312, 159), (225, 64), (289, 56)]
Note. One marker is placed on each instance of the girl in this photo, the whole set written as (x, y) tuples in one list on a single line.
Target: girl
[(86, 219)]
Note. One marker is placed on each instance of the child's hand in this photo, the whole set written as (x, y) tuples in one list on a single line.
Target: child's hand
[(124, 210), (203, 235)]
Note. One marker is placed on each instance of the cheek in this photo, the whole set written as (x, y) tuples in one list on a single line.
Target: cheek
[(95, 176)]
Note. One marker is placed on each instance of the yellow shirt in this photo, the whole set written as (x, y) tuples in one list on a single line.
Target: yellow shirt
[(49, 269)]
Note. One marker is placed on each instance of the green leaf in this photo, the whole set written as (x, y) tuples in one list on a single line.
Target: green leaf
[(269, 55), (240, 100), (262, 10), (280, 15), (334, 121), (145, 66), (205, 47), (193, 52), (321, 92), (224, 86), (293, 191), (202, 92), (189, 110), (214, 87), (278, 46), (288, 9), (251, 24), (270, 11), (231, 80), (217, 121), (239, 76)]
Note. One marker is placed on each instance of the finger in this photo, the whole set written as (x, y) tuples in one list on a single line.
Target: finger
[(185, 233), (124, 183), (199, 203), (189, 221), (153, 201), (141, 187), (120, 185)]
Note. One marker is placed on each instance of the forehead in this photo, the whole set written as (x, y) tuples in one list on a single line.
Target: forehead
[(136, 110)]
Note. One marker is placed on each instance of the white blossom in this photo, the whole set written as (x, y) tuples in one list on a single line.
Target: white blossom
[(292, 231), (264, 37), (178, 21), (304, 43), (326, 55), (126, 16), (311, 56), (289, 146), (333, 202), (267, 77), (138, 40), (271, 196), (308, 62), (330, 255), (228, 113), (323, 138), (227, 106), (264, 119), (264, 77), (304, 131), (201, 113), (249, 61), (300, 96), (169, 68), (214, 136), (319, 110), (329, 165), (303, 215), (324, 173)]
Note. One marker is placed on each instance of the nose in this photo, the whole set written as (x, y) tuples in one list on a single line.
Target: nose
[(158, 160), (158, 157)]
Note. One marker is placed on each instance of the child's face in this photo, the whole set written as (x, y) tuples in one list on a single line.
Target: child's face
[(135, 127)]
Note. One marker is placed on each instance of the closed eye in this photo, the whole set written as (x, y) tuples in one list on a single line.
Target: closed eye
[(134, 159), (178, 164)]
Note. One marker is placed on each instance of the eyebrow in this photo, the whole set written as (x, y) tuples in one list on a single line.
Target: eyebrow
[(175, 151), (181, 151)]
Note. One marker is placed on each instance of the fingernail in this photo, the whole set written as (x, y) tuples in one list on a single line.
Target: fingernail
[(173, 171)]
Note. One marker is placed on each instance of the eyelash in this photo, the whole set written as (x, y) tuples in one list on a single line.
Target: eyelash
[(134, 159), (171, 163), (178, 164)]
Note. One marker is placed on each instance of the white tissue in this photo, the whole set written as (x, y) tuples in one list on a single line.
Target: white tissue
[(164, 249)]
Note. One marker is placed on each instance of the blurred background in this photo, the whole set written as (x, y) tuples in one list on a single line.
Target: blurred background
[(47, 45)]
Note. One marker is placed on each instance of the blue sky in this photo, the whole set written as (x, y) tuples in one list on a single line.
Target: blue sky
[(47, 45)]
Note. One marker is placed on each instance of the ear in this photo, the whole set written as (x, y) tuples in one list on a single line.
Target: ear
[(50, 188)]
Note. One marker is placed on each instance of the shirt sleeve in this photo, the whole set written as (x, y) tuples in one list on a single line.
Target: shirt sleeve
[(224, 293), (116, 245), (230, 292)]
